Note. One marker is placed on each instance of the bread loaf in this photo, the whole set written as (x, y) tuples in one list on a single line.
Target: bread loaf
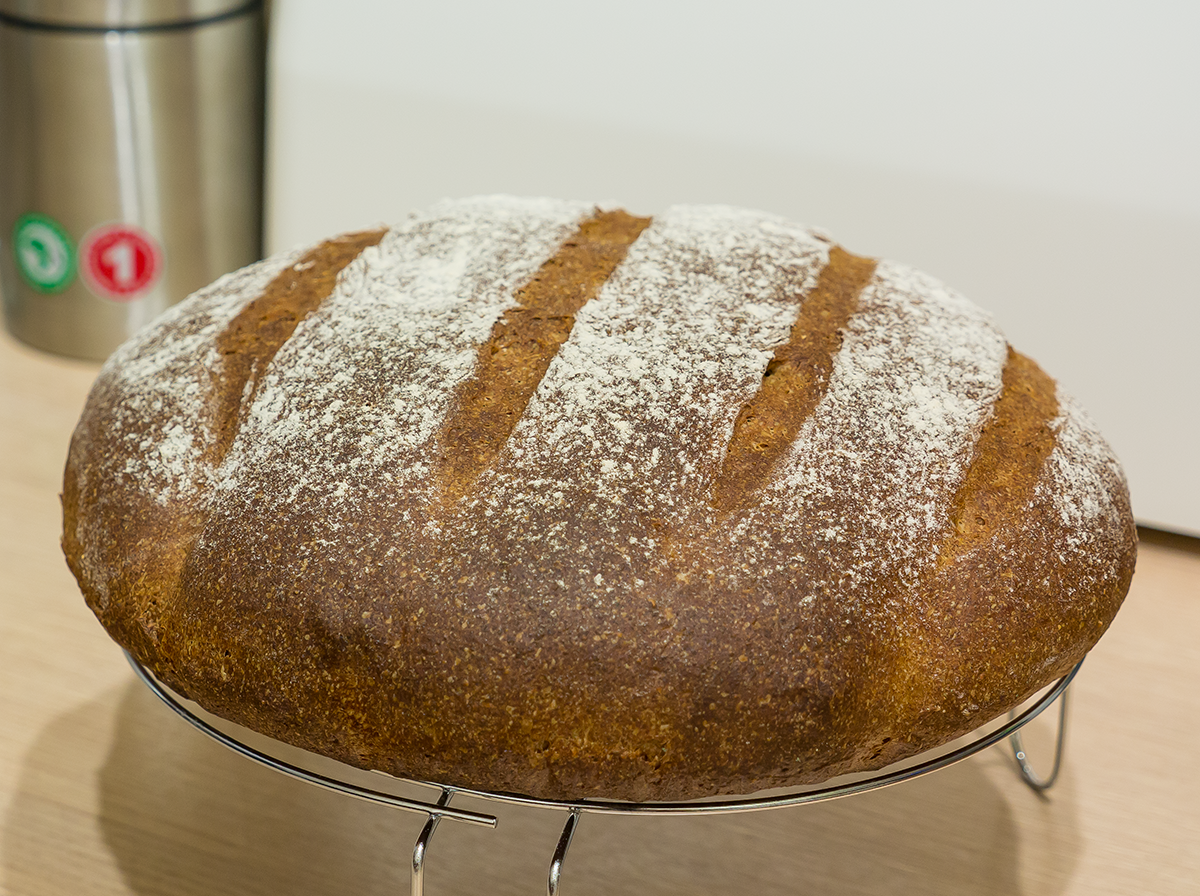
[(531, 496)]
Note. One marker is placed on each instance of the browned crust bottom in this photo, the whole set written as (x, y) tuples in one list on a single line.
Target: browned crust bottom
[(426, 702)]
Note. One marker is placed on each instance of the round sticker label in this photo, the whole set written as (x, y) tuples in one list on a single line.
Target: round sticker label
[(120, 261), (44, 253)]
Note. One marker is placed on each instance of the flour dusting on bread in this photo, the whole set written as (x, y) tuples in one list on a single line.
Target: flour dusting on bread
[(163, 376), (366, 380), (1083, 476), (877, 464), (634, 413)]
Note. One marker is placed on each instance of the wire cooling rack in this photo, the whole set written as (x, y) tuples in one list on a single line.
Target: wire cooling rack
[(441, 809)]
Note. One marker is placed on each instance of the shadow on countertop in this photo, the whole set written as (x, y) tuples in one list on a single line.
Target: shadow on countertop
[(182, 815)]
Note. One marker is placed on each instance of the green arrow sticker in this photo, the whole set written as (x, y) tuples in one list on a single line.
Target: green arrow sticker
[(45, 254)]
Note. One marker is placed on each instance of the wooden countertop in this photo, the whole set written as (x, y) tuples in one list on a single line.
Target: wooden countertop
[(103, 791)]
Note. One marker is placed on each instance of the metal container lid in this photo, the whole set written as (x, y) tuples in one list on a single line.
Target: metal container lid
[(117, 14)]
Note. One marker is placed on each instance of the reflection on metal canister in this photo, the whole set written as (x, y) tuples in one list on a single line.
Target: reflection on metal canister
[(131, 141)]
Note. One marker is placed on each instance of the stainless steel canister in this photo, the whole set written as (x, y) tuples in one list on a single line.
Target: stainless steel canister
[(131, 143)]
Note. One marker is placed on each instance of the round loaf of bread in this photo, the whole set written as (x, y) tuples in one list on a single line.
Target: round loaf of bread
[(539, 497)]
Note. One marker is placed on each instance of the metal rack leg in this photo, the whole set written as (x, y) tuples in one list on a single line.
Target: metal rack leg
[(417, 881), (1041, 785), (560, 852)]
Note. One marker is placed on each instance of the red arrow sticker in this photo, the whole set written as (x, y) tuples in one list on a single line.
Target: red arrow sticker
[(120, 261)]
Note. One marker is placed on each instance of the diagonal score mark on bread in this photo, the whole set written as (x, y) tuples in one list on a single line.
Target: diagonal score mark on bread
[(1009, 455), (793, 383), (260, 329), (523, 343)]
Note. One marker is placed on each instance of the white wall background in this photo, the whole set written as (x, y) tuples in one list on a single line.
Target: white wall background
[(1039, 157)]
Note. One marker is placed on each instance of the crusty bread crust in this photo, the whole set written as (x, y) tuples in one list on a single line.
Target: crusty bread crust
[(643, 590)]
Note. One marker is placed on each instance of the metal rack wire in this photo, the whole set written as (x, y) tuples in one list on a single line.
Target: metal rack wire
[(575, 809)]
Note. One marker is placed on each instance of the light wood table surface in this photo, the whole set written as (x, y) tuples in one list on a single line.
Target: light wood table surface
[(104, 791)]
